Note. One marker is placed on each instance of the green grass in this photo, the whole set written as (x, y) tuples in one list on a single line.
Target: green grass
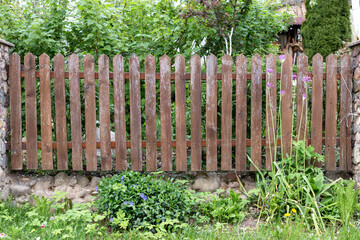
[(81, 223)]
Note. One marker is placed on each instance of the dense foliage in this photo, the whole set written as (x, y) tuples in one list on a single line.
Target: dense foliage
[(141, 27), (134, 200), (327, 25)]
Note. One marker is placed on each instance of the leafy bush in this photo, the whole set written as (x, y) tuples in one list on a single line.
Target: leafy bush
[(346, 200), (226, 208), (134, 200)]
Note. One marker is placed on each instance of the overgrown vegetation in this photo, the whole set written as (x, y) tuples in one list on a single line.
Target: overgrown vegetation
[(327, 25), (141, 27)]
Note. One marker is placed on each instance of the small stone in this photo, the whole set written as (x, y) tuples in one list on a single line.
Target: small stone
[(95, 182), (234, 185), (21, 199), (89, 198), (206, 184), (72, 181), (32, 182), (357, 74), (61, 179), (83, 181), (83, 193), (18, 190)]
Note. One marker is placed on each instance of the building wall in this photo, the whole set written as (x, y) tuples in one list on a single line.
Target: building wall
[(355, 19)]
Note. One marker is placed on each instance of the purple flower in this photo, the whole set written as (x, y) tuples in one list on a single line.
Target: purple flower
[(131, 203), (306, 79), (111, 219), (294, 77), (122, 178), (270, 71), (125, 202), (143, 196), (269, 85), (282, 58), (304, 96), (282, 92), (96, 189)]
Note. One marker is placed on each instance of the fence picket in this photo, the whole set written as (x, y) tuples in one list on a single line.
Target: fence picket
[(345, 111), (331, 112), (119, 112), (241, 113), (15, 110), (135, 113), (270, 111), (90, 113), (104, 113), (226, 113), (165, 113), (150, 108), (286, 105), (75, 112), (211, 113), (195, 69), (45, 108), (301, 103), (317, 109), (256, 101), (60, 112), (180, 114), (31, 113)]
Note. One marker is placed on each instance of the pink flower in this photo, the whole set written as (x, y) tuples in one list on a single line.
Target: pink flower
[(306, 79), (51, 218), (269, 85), (270, 71), (294, 77), (282, 92), (304, 96), (2, 235), (282, 58), (42, 226)]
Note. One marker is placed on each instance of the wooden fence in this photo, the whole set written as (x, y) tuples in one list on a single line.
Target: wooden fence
[(324, 86)]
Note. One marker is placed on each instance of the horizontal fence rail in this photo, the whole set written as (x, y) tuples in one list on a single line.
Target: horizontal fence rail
[(175, 120)]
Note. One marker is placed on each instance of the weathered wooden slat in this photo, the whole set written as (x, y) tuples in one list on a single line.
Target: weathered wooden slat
[(331, 112), (195, 69), (75, 112), (165, 113), (180, 114), (345, 111), (301, 102), (150, 108), (271, 111), (45, 113), (135, 113), (15, 110), (104, 112), (90, 113), (286, 106), (226, 113), (256, 101), (30, 108), (211, 113), (317, 109), (60, 112), (241, 113), (119, 112)]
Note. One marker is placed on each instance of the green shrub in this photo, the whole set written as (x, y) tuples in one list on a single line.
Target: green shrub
[(226, 208), (134, 200)]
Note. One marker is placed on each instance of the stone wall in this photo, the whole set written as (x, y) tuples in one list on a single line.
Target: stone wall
[(355, 64), (4, 103)]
